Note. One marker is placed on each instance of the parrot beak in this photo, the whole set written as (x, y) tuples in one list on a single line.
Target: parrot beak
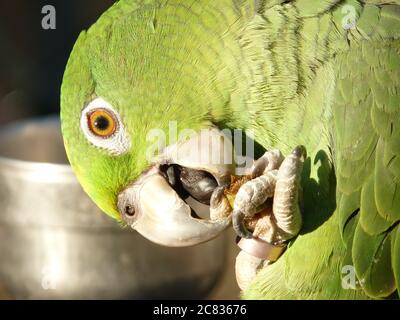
[(166, 219), (156, 204)]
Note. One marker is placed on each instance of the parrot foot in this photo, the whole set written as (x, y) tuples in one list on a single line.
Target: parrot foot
[(247, 267), (268, 204)]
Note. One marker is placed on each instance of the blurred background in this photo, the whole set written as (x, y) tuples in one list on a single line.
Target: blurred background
[(53, 246), (32, 60)]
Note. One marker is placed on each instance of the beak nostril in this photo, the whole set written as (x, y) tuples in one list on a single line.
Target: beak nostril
[(129, 210), (126, 206)]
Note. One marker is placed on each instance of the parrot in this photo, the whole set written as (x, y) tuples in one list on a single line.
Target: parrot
[(320, 74)]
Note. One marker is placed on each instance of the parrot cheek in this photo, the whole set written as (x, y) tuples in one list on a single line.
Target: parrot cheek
[(162, 216)]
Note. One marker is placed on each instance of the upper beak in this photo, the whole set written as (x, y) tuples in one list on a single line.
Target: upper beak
[(153, 208)]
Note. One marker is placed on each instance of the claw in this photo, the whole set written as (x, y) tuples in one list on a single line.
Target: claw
[(259, 167), (300, 152), (238, 225), (271, 160), (219, 204)]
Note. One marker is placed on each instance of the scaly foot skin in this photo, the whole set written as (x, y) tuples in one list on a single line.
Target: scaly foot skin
[(262, 171), (277, 178), (280, 181), (271, 160)]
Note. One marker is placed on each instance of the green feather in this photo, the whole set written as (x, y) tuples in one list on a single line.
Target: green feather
[(372, 262), (370, 220)]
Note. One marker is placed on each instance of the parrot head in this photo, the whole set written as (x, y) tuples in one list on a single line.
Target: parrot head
[(138, 122)]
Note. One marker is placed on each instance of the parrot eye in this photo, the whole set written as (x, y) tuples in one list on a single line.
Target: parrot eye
[(103, 127), (102, 123)]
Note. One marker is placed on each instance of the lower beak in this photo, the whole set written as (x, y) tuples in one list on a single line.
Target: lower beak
[(164, 218)]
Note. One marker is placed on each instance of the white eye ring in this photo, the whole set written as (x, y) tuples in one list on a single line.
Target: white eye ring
[(118, 142)]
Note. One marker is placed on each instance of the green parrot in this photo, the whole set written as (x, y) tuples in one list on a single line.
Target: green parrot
[(322, 74)]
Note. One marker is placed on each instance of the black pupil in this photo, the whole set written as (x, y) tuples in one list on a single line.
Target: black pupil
[(101, 123)]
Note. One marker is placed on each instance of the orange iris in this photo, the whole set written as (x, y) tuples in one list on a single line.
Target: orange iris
[(102, 123)]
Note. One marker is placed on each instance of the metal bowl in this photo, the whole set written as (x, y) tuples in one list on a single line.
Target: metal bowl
[(55, 243)]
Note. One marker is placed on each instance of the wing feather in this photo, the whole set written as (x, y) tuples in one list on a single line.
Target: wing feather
[(367, 118)]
